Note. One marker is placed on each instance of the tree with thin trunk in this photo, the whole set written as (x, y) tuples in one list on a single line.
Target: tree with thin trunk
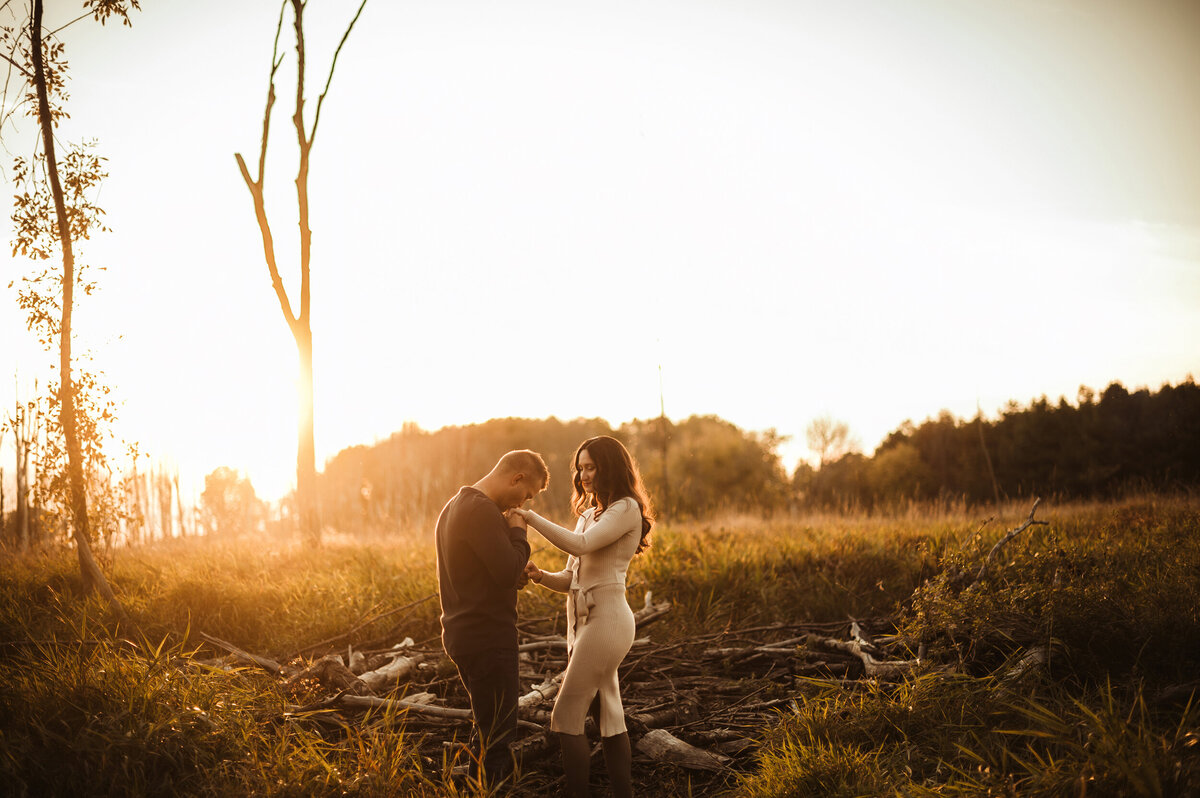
[(162, 492), (44, 223), (179, 503), (2, 525), (829, 439), (298, 321), (24, 426)]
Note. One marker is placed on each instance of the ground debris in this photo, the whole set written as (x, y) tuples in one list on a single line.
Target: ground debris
[(699, 703)]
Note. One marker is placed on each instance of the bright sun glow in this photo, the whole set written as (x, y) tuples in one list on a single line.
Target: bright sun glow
[(874, 209)]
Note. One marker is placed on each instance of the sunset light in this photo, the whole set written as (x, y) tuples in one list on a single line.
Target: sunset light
[(871, 210), (672, 398)]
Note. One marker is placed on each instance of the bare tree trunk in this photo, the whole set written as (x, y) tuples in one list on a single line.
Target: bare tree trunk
[(143, 499), (137, 529), (2, 524), (662, 423), (299, 322), (93, 577), (306, 458), (162, 485), (179, 504), (21, 433)]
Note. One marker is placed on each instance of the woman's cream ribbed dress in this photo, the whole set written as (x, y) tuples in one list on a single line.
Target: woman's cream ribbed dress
[(600, 624)]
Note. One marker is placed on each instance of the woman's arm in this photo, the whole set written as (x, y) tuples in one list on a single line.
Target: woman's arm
[(622, 517), (559, 581)]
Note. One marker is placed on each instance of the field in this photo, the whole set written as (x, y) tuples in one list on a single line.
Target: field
[(1106, 595)]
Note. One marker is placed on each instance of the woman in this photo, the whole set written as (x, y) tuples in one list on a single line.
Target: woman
[(614, 524)]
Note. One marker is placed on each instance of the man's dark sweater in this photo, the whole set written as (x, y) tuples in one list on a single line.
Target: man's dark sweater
[(479, 559)]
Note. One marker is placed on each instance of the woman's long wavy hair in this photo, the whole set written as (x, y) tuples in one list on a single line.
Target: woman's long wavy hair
[(617, 477)]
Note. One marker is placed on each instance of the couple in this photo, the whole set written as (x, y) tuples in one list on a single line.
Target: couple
[(483, 559)]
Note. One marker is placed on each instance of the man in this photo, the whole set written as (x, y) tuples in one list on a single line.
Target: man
[(481, 557)]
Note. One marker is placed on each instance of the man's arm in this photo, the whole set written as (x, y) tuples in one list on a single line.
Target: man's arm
[(501, 548)]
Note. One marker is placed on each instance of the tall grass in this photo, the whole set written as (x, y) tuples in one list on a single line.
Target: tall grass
[(941, 734), (1111, 590)]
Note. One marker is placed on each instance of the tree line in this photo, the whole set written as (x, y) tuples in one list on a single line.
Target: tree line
[(1095, 447), (697, 466)]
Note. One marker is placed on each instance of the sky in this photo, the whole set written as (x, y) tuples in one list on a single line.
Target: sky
[(872, 209)]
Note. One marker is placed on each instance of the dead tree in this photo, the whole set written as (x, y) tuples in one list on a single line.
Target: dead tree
[(298, 322)]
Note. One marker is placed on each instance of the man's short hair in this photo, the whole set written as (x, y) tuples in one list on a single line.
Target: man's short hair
[(525, 461)]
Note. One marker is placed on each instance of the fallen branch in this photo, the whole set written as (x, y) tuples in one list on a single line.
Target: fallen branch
[(650, 611), (556, 643), (874, 668), (542, 692), (418, 704), (254, 659), (783, 647), (1012, 533)]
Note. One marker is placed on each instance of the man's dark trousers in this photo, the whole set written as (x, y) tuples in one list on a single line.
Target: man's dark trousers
[(490, 677)]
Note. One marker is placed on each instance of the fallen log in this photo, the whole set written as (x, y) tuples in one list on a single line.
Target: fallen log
[(393, 673), (542, 692), (330, 672), (662, 746)]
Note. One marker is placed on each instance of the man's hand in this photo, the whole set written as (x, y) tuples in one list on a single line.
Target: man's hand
[(516, 520)]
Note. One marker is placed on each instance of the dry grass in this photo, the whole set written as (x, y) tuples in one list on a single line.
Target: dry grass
[(1112, 588)]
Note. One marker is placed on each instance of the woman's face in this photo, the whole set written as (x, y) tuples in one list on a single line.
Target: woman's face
[(587, 471)]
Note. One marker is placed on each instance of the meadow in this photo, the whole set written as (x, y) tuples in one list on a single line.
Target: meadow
[(1106, 594)]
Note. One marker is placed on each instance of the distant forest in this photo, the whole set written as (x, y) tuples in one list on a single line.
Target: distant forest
[(1096, 447)]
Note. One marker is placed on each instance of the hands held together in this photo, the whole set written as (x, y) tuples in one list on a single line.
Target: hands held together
[(533, 572), (516, 519)]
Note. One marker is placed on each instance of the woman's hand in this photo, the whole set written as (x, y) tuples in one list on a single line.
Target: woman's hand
[(516, 519), (533, 573)]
